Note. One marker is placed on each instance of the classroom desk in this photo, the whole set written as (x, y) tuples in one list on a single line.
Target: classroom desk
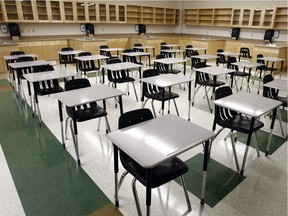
[(176, 137), (228, 54), (167, 81), (251, 105), (83, 59), (11, 59), (205, 57), (81, 96), (170, 46), (120, 66), (138, 54), (43, 76), (174, 52), (215, 72), (72, 52), (18, 65), (280, 84), (171, 61), (113, 50), (249, 65), (146, 48), (273, 60)]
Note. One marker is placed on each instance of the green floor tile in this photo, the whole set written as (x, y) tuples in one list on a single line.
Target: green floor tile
[(221, 180), (46, 177), (262, 139)]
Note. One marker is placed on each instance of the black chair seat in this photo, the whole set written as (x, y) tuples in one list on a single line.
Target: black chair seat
[(173, 71), (240, 123), (89, 113), (161, 174), (284, 101), (239, 73), (124, 79), (48, 91), (211, 83), (158, 96)]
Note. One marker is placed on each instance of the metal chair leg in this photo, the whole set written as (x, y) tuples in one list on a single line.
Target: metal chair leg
[(256, 144), (176, 107), (234, 151), (122, 179), (186, 193), (136, 197)]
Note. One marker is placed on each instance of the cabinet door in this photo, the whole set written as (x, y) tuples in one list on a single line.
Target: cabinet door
[(268, 17), (28, 11), (55, 11), (42, 12), (49, 50), (69, 11), (236, 15), (256, 17), (37, 49), (246, 17), (11, 10), (81, 8)]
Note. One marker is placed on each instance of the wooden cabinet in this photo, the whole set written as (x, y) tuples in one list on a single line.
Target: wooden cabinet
[(151, 15), (281, 18), (237, 17), (55, 11)]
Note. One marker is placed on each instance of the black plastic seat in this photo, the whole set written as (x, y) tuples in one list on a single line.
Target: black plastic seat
[(237, 73), (106, 53), (161, 174), (84, 112), (156, 93), (203, 79), (66, 59), (120, 76), (244, 54), (86, 66), (165, 68), (221, 60), (46, 87), (273, 94), (232, 120), (137, 48)]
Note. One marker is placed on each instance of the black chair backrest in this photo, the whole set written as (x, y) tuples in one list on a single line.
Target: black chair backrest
[(221, 58), (84, 54), (194, 61), (244, 53), (67, 49), (131, 118), (42, 68), (221, 113), (132, 59), (149, 87), (230, 60), (201, 77), (189, 53), (137, 47), (105, 53), (77, 84), (269, 92), (24, 59), (113, 75), (17, 53), (160, 66)]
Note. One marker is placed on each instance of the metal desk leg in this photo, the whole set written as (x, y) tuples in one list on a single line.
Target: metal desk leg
[(75, 136), (189, 99), (271, 129), (61, 122), (247, 146), (205, 166), (116, 170)]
